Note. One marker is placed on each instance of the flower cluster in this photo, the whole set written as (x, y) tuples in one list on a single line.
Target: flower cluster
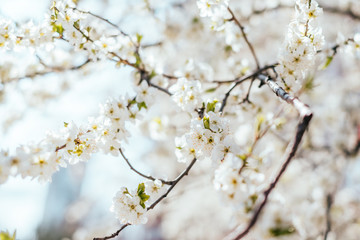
[(242, 167), (204, 137), (73, 143), (239, 181), (237, 175), (351, 45), (187, 94), (131, 207), (72, 25), (27, 35), (216, 10), (302, 42), (84, 34), (196, 70)]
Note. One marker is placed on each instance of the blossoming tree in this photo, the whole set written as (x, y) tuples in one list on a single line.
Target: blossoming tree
[(257, 100)]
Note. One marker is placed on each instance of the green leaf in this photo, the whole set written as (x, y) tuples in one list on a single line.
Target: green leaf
[(76, 24), (281, 231), (139, 37), (210, 90), (6, 235), (131, 102), (142, 195), (126, 191), (242, 156), (253, 198), (58, 28), (210, 107), (259, 121), (152, 74), (66, 124), (309, 83), (141, 105), (141, 189), (195, 20), (327, 62), (206, 122), (138, 60), (228, 48)]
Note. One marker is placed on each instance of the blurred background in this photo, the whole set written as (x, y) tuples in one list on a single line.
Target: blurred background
[(76, 204), (56, 210)]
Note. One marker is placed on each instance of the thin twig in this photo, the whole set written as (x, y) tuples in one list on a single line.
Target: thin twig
[(247, 97), (334, 10), (233, 18), (105, 20), (355, 150), (227, 94), (305, 117), (114, 234), (347, 12), (254, 74), (238, 81), (152, 45), (169, 76), (159, 88), (173, 184), (328, 216), (52, 69), (141, 174), (258, 135), (126, 62), (59, 148), (184, 173)]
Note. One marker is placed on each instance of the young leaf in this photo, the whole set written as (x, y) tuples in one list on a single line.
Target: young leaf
[(6, 235), (326, 63), (141, 105), (281, 231), (210, 107), (142, 195), (206, 122)]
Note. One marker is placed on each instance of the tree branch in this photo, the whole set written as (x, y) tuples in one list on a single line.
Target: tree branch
[(254, 74), (141, 174), (183, 174), (51, 69), (173, 184), (114, 234), (233, 18), (238, 81), (328, 216), (105, 20), (355, 150), (305, 117), (347, 12), (334, 10)]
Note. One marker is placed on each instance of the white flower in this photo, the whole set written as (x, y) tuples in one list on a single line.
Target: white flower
[(127, 208), (7, 36), (215, 121), (145, 93), (216, 10), (106, 44), (155, 189), (303, 40), (183, 152), (5, 166), (210, 141), (195, 139), (186, 94), (227, 146)]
